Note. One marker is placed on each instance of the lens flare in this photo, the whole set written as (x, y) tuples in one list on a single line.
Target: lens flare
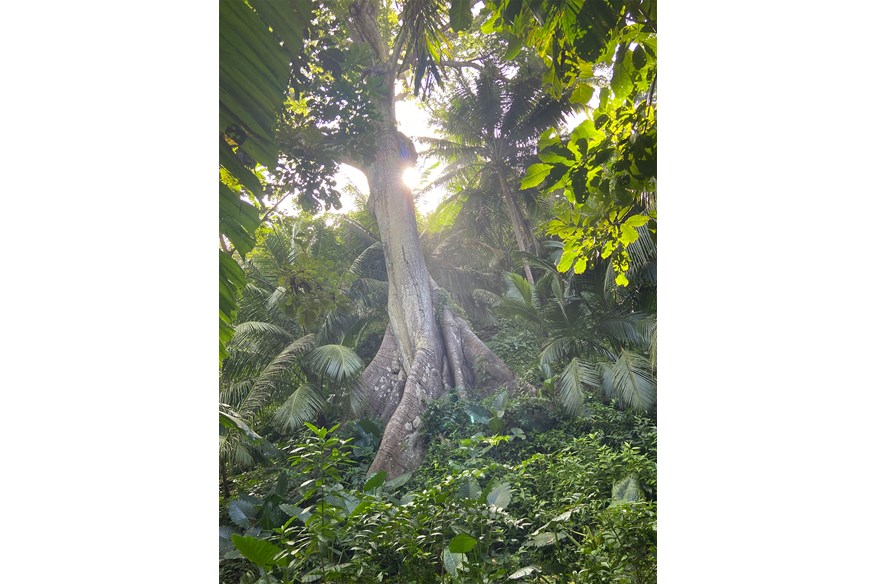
[(411, 177)]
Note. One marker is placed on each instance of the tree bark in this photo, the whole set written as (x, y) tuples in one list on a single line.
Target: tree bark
[(517, 222)]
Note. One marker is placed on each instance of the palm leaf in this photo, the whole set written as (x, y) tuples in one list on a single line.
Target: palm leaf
[(249, 334), (556, 350), (337, 362), (630, 382), (303, 405), (520, 290), (276, 371), (573, 383)]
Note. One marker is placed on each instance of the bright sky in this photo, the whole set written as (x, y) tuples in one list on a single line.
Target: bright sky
[(413, 121)]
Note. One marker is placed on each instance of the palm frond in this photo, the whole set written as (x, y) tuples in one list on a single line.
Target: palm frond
[(336, 362), (622, 327), (574, 381), (486, 297), (234, 393), (555, 350), (249, 334), (520, 290), (630, 382), (278, 370), (357, 266), (303, 405)]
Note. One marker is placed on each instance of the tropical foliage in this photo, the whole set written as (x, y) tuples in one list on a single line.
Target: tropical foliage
[(544, 246)]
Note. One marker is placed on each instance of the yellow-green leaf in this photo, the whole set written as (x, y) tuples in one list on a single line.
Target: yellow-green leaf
[(535, 174)]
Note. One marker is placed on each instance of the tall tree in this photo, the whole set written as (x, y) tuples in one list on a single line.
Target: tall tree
[(491, 126), (364, 49)]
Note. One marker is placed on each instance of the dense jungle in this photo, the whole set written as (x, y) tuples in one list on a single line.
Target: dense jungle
[(437, 291)]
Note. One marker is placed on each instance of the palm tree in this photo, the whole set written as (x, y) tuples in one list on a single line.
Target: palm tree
[(599, 337), (293, 355), (491, 126)]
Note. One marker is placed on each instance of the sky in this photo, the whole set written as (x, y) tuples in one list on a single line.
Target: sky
[(413, 121)]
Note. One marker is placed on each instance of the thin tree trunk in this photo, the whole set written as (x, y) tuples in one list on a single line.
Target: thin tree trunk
[(517, 222)]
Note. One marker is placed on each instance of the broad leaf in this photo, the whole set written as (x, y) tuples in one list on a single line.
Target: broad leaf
[(545, 538), (242, 513), (452, 561), (500, 496), (627, 489), (522, 572), (260, 552), (462, 543), (534, 175), (460, 15), (375, 481)]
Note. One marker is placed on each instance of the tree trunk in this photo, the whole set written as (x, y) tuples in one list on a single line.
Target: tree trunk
[(517, 222), (427, 349)]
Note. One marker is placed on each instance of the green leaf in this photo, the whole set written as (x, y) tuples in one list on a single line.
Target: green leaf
[(338, 362), (566, 260), (582, 94), (621, 83), (238, 219), (398, 481), (636, 220), (260, 552), (375, 481), (462, 543), (522, 572), (580, 265), (556, 154), (639, 57), (477, 413), (500, 496), (534, 175), (469, 490), (460, 15), (627, 489), (452, 561), (628, 234), (621, 280), (241, 513), (545, 538), (232, 422)]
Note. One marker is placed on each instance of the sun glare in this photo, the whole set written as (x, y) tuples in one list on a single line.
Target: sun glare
[(411, 177)]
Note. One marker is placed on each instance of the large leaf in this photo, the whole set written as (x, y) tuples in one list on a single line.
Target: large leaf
[(534, 175), (462, 543), (260, 552), (234, 423), (254, 70), (375, 481), (460, 15), (522, 572), (452, 561), (302, 406), (242, 513), (630, 381), (500, 496), (337, 362), (626, 489)]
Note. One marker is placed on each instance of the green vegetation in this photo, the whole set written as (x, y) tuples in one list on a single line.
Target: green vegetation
[(465, 395)]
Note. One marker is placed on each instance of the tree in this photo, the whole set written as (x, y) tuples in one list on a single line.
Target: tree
[(490, 132), (606, 169), (361, 50)]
